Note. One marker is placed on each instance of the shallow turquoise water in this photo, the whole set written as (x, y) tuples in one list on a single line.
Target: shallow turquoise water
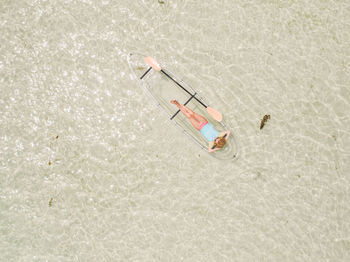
[(89, 169)]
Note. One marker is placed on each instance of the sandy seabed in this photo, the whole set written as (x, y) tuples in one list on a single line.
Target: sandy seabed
[(90, 171)]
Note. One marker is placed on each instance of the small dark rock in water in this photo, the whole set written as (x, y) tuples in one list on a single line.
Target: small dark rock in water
[(56, 137), (49, 162), (50, 202), (263, 121)]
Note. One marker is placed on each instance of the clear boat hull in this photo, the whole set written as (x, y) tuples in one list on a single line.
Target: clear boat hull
[(161, 89)]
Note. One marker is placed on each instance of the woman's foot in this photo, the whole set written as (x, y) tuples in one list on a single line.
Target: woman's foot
[(174, 101)]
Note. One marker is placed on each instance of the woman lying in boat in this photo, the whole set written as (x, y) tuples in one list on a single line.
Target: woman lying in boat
[(216, 140)]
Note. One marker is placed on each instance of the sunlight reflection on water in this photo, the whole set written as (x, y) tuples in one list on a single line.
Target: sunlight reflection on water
[(91, 171)]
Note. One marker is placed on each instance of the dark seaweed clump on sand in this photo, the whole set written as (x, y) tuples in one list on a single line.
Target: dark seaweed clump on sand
[(263, 121)]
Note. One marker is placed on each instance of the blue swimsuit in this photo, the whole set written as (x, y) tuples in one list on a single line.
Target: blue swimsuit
[(209, 132)]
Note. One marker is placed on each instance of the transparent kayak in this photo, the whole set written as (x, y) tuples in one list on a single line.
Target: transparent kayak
[(161, 89)]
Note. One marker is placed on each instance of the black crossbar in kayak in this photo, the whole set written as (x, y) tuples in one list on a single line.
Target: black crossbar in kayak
[(146, 73), (192, 96), (183, 88)]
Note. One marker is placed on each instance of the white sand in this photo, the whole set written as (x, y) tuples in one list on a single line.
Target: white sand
[(89, 171)]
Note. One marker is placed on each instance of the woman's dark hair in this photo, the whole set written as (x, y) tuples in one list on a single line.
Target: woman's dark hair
[(221, 142)]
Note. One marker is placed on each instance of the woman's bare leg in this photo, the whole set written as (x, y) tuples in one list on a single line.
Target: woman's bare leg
[(189, 111), (185, 110), (194, 118), (199, 117)]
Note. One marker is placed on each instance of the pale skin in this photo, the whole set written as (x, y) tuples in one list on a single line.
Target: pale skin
[(193, 117)]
